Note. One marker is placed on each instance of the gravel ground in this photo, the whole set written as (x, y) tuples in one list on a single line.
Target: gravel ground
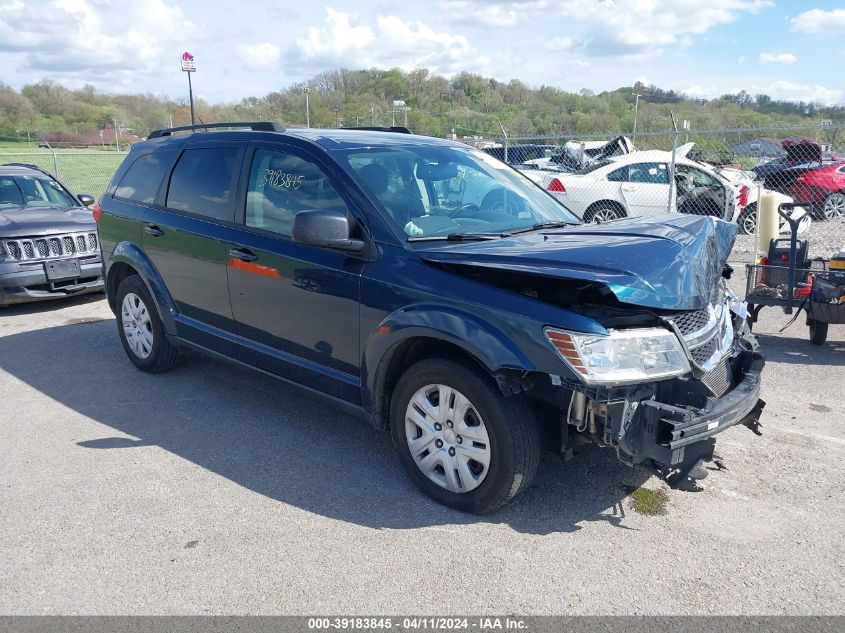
[(212, 489), (826, 239)]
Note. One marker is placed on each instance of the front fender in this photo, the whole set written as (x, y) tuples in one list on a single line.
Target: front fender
[(481, 340), (132, 255)]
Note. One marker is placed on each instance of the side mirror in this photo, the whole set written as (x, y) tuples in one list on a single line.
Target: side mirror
[(86, 199), (325, 228)]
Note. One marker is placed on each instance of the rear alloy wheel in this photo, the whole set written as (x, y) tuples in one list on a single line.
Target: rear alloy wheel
[(603, 214), (459, 439), (140, 328), (747, 220), (834, 206)]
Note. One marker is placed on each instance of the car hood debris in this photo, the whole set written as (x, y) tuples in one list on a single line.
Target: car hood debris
[(670, 262)]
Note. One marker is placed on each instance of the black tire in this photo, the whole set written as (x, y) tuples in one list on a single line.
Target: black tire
[(162, 354), (515, 444), (818, 332), (747, 220), (607, 211)]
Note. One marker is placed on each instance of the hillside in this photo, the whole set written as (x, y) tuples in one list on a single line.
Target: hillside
[(468, 104)]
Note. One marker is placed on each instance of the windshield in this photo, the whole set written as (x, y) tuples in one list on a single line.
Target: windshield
[(438, 191), (33, 191)]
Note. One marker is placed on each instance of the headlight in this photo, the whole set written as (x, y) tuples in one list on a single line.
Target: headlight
[(623, 356)]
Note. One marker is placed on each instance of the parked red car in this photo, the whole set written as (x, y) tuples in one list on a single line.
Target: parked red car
[(823, 188)]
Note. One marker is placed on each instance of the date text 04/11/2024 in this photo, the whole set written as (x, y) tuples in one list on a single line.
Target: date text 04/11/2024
[(417, 624)]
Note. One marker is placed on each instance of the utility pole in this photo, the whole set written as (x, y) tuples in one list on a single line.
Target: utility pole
[(636, 108), (307, 108), (336, 117)]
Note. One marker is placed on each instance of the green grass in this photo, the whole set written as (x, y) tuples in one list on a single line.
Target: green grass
[(81, 171), (649, 502)]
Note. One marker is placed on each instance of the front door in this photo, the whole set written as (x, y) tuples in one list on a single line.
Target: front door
[(297, 306)]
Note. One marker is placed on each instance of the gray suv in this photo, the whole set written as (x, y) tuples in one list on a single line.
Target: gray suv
[(48, 238)]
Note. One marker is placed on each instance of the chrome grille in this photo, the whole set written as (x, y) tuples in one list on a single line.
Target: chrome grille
[(703, 353), (35, 248), (689, 322), (706, 335)]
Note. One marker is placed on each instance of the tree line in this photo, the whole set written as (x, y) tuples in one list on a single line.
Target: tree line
[(466, 105)]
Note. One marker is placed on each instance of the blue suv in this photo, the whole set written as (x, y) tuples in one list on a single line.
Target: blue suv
[(435, 290)]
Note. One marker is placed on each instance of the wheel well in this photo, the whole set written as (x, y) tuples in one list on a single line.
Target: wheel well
[(117, 273), (603, 204), (403, 355)]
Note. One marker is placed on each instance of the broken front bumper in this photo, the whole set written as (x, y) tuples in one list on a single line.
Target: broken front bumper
[(677, 434)]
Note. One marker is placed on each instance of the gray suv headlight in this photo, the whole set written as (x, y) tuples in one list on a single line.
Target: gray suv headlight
[(622, 356)]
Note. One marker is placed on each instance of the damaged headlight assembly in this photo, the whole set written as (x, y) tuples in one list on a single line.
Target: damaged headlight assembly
[(622, 356)]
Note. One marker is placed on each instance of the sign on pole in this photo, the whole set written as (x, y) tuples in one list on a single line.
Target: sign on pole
[(188, 63), (189, 66)]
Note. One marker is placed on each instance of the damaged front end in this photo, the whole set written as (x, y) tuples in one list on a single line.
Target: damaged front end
[(669, 422)]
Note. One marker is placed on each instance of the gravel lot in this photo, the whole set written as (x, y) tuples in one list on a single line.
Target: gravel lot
[(826, 239), (216, 490)]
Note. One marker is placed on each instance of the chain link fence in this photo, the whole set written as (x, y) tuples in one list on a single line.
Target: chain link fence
[(718, 172), (81, 171)]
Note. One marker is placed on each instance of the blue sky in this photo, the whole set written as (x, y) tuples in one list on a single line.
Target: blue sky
[(792, 50)]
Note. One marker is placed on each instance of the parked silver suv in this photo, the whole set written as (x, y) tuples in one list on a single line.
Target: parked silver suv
[(48, 238)]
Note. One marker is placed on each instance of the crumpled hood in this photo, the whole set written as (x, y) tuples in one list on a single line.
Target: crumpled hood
[(670, 262), (36, 221)]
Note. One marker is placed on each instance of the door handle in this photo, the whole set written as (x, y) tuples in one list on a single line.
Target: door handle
[(243, 254), (153, 230)]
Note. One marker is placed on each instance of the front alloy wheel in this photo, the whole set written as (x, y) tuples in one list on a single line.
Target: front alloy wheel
[(834, 206), (459, 439), (447, 438)]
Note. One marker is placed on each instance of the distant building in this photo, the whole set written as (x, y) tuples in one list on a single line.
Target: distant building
[(760, 147), (106, 136)]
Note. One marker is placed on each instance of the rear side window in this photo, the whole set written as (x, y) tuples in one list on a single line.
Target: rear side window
[(649, 173), (618, 175), (202, 183), (141, 181)]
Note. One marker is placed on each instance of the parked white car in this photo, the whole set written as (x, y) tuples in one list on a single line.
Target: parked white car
[(747, 218), (638, 184)]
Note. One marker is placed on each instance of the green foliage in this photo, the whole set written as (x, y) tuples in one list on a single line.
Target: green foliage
[(469, 104)]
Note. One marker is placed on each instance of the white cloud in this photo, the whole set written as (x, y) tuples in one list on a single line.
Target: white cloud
[(82, 38), (389, 42), (795, 91), (464, 12), (558, 44), (777, 58), (335, 40), (819, 21), (637, 30), (264, 56)]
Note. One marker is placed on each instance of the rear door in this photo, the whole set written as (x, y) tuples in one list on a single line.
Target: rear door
[(646, 190), (296, 305), (187, 234)]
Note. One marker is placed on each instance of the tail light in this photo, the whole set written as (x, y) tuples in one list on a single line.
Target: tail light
[(556, 186), (743, 196), (96, 211)]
